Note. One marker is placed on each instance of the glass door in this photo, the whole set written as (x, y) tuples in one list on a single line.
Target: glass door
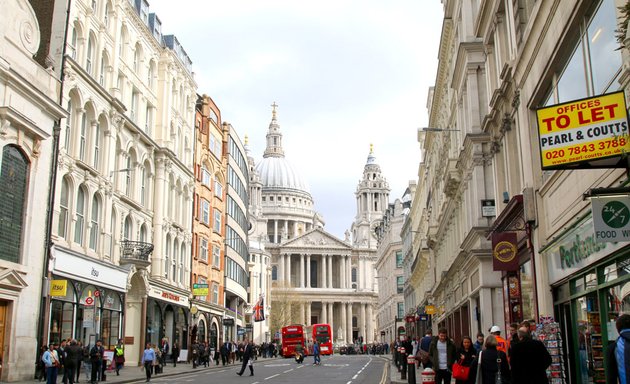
[(589, 328)]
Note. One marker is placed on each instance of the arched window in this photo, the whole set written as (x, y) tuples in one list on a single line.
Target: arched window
[(128, 177), (97, 146), (143, 233), (143, 186), (175, 257), (182, 256), (83, 136), (68, 127), (274, 273), (80, 214), (13, 176), (354, 275), (89, 59), (112, 233), (102, 78), (150, 74), (127, 229), (94, 220), (167, 260), (64, 200), (108, 8), (72, 47)]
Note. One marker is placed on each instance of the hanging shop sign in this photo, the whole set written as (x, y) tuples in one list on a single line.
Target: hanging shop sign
[(429, 309), (58, 288), (228, 321), (574, 134), (611, 218), (504, 251), (488, 208)]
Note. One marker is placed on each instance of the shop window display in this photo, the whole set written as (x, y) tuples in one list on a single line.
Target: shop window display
[(591, 352)]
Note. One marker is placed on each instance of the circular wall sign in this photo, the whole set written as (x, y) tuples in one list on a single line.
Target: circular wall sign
[(89, 301), (615, 214)]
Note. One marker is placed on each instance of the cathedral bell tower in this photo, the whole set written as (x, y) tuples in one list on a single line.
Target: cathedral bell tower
[(372, 200)]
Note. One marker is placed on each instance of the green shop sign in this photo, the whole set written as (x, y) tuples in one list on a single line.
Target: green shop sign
[(574, 250)]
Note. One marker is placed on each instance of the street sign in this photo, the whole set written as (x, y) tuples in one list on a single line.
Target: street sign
[(611, 218), (89, 301), (97, 293)]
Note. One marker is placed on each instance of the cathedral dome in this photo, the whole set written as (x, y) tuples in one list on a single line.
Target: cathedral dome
[(277, 172)]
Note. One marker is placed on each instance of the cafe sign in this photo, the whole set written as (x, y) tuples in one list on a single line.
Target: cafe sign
[(575, 250)]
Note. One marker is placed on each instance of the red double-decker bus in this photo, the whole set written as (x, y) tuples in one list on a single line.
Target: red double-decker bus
[(293, 337), (323, 334)]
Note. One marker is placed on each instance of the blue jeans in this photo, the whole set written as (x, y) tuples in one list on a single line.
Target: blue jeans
[(51, 375), (316, 359)]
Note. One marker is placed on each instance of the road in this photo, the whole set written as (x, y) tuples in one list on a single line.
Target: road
[(337, 369)]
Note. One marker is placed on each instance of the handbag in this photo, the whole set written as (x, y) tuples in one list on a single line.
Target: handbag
[(460, 372), (422, 356)]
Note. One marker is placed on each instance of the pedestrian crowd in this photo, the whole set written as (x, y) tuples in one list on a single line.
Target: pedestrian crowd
[(487, 360)]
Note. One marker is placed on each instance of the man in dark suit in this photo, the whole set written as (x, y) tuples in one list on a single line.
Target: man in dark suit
[(96, 358), (248, 358), (529, 359)]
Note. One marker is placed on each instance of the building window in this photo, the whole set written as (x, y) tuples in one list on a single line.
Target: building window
[(595, 65), (80, 214), (72, 48), (97, 143), (68, 127), (215, 293), (62, 226), (127, 229), (82, 137), (135, 97), (94, 220), (400, 284), (399, 259), (13, 176), (216, 256), (274, 273), (167, 260), (205, 212), (143, 187), (401, 310), (148, 120), (354, 275), (206, 177), (203, 249), (128, 177), (90, 52), (217, 221), (218, 188)]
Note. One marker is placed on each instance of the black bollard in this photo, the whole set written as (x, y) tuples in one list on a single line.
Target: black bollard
[(403, 364), (411, 370)]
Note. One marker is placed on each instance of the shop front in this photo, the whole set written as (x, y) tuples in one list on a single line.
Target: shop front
[(591, 287), (87, 300), (167, 317), (207, 322)]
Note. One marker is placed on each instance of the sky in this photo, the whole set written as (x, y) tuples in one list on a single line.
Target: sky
[(345, 74)]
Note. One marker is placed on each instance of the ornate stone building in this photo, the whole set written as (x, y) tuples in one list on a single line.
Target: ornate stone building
[(318, 276), (29, 127)]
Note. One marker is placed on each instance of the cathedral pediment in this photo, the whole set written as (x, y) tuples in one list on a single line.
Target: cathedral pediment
[(316, 238), (11, 279)]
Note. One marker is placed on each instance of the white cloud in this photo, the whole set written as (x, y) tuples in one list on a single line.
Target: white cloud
[(345, 74)]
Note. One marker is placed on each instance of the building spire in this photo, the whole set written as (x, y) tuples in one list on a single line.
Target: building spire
[(274, 137)]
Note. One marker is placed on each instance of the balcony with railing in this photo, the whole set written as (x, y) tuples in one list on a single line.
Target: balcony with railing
[(136, 252)]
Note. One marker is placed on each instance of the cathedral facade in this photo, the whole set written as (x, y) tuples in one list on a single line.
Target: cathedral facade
[(315, 276)]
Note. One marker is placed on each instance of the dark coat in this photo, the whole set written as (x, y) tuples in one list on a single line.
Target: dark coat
[(529, 360), (96, 354), (470, 360), (248, 353), (73, 355), (451, 354), (490, 366)]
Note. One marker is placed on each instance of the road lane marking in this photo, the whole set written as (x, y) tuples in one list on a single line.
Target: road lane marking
[(288, 370), (276, 365), (271, 377), (355, 376)]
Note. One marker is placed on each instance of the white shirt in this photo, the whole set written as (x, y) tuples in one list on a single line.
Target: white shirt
[(441, 347)]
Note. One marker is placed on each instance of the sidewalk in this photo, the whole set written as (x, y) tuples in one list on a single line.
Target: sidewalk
[(394, 375), (136, 374)]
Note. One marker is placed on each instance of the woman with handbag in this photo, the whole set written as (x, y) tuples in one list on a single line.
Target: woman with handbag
[(493, 367), (462, 369)]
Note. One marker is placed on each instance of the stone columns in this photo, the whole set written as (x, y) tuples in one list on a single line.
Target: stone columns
[(308, 313), (324, 278), (324, 318), (362, 322), (370, 324), (349, 332), (301, 270), (302, 316), (331, 317), (275, 231), (289, 269), (344, 323), (281, 267), (286, 230), (308, 270), (349, 271), (343, 284), (330, 277)]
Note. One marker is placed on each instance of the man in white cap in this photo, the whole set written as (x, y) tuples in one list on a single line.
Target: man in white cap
[(502, 344)]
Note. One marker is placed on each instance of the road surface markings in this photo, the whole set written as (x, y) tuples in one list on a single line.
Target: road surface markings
[(271, 377), (276, 365), (355, 376), (288, 370)]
